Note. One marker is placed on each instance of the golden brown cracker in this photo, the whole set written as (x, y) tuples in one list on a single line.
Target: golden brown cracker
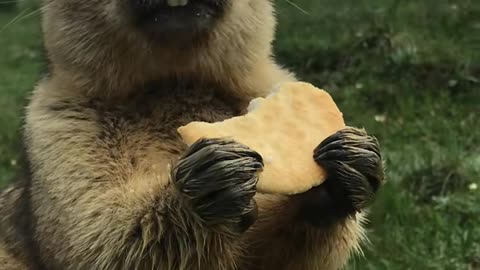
[(284, 129)]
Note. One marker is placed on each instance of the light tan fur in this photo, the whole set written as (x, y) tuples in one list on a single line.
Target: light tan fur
[(100, 150)]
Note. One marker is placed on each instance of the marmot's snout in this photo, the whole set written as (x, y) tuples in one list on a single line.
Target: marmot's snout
[(176, 19)]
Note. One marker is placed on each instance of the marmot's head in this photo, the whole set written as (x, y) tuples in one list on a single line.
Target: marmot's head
[(142, 40)]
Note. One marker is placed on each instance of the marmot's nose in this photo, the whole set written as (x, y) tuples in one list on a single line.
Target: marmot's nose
[(145, 4), (162, 3), (172, 18), (143, 8)]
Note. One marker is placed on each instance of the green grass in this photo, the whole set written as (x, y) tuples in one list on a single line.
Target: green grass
[(408, 71), (20, 66)]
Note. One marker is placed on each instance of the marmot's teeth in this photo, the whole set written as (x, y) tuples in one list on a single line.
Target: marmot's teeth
[(177, 3), (173, 3)]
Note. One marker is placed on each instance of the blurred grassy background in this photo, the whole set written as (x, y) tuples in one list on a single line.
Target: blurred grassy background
[(408, 71)]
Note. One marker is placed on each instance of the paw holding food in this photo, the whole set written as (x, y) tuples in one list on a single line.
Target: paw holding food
[(285, 128)]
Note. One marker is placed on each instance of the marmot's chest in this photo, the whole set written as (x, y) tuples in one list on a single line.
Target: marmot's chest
[(164, 113), (147, 126)]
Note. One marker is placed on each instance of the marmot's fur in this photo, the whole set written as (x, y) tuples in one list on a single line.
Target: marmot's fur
[(108, 183)]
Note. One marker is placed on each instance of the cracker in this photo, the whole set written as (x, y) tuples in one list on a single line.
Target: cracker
[(284, 128)]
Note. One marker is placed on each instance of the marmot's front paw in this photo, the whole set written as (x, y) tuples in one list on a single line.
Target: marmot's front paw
[(219, 178), (354, 166)]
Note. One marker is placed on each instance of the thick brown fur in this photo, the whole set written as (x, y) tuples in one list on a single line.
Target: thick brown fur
[(108, 183)]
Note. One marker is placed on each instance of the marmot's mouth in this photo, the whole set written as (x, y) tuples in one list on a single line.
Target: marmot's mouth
[(173, 18)]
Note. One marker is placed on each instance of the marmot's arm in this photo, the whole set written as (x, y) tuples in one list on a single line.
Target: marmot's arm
[(94, 210), (320, 228), (7, 261), (11, 256)]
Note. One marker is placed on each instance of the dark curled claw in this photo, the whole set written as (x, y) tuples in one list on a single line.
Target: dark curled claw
[(219, 179), (353, 163)]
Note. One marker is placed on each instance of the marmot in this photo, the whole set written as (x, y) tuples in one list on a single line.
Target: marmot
[(109, 184)]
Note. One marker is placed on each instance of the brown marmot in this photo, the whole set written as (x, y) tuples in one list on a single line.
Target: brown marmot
[(109, 184)]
